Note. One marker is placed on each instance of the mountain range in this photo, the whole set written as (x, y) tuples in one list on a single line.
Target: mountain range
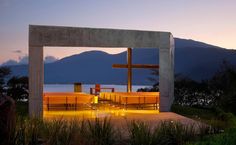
[(196, 60)]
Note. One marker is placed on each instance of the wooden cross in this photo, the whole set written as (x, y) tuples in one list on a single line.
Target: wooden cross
[(130, 66)]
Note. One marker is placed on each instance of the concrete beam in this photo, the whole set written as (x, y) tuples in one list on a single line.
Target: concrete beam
[(92, 37)]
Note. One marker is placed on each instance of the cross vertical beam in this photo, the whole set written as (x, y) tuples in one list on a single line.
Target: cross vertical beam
[(129, 62), (130, 66)]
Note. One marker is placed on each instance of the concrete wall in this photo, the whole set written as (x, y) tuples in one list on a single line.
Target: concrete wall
[(40, 36)]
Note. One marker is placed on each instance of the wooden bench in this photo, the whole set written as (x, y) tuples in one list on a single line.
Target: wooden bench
[(138, 99), (67, 100)]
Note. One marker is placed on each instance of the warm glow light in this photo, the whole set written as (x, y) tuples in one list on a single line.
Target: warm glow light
[(71, 105), (95, 99), (86, 114)]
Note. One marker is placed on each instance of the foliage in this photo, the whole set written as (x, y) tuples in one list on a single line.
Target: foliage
[(155, 80), (215, 117), (59, 132), (18, 88), (227, 138), (224, 84), (191, 93), (99, 132), (193, 112), (219, 91), (4, 72), (21, 108), (139, 133), (166, 133), (7, 118)]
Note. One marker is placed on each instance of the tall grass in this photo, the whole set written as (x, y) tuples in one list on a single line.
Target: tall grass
[(101, 132), (139, 133), (166, 133)]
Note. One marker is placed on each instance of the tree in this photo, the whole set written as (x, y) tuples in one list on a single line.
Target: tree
[(4, 73), (155, 79), (223, 84), (18, 88), (192, 93)]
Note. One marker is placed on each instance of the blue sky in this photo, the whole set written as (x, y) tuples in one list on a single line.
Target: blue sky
[(211, 21)]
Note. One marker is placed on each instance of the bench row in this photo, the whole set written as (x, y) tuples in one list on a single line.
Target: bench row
[(67, 100), (139, 99)]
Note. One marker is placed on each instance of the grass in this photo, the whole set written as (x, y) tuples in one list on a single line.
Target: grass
[(98, 132), (227, 138), (223, 125), (218, 119), (222, 130), (195, 113), (101, 132), (165, 133)]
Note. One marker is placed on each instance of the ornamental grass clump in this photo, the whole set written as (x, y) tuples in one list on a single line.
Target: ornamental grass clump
[(165, 133), (100, 132), (139, 133)]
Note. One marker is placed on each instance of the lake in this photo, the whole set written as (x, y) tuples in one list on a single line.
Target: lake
[(86, 87)]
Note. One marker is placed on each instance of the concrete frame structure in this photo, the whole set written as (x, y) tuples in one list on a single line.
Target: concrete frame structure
[(40, 36)]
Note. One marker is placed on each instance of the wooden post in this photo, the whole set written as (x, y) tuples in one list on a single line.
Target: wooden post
[(129, 62)]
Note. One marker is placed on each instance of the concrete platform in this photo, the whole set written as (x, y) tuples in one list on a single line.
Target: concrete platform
[(120, 117)]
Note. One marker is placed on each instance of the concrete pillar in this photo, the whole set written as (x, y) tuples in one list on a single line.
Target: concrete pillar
[(166, 72), (36, 81)]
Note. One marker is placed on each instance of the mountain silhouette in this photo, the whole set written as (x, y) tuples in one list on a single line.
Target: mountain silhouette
[(196, 60)]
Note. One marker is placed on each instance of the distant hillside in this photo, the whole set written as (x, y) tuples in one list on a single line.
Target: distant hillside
[(194, 59)]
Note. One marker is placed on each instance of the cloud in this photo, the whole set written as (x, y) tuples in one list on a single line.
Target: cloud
[(50, 59), (17, 51), (23, 60), (10, 62)]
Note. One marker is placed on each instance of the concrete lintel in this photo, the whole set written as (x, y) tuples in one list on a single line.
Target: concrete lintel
[(93, 37)]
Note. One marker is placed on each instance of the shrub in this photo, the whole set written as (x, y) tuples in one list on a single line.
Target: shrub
[(227, 138)]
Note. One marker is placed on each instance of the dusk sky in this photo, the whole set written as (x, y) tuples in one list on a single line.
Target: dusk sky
[(210, 21)]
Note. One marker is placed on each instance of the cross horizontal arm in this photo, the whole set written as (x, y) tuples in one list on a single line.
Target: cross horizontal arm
[(135, 66)]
